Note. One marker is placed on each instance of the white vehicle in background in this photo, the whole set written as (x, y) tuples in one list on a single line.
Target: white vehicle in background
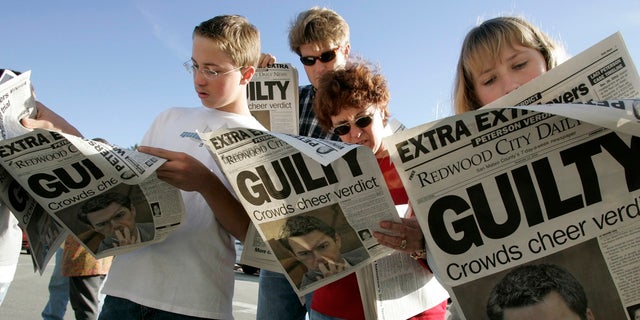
[(245, 268)]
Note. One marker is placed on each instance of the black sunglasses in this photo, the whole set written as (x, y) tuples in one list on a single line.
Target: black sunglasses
[(324, 57), (361, 123)]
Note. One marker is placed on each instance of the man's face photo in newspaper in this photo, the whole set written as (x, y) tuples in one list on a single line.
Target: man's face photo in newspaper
[(315, 249), (112, 219)]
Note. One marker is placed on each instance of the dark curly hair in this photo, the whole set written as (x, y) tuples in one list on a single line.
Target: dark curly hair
[(357, 85)]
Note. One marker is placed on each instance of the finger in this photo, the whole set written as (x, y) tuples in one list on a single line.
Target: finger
[(393, 227), (411, 222), (158, 152), (403, 244), (395, 242), (127, 235), (323, 269)]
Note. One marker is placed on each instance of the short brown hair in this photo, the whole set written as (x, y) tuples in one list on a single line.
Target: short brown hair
[(357, 85), (318, 25)]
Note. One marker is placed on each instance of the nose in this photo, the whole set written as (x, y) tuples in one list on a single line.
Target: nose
[(198, 78), (510, 84), (355, 132)]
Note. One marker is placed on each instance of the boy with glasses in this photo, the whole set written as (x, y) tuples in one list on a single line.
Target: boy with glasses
[(189, 275)]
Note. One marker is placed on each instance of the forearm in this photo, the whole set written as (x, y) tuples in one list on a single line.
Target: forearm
[(227, 209)]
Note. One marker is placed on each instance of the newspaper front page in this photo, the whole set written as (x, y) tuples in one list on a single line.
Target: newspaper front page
[(45, 235), (273, 97), (498, 188), (108, 197), (285, 180), (494, 189), (68, 177)]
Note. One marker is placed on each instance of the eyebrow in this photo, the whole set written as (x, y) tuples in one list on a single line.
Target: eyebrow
[(516, 54), (205, 64)]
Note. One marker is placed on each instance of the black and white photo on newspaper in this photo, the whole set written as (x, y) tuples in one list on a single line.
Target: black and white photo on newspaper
[(98, 192), (495, 189), (309, 199)]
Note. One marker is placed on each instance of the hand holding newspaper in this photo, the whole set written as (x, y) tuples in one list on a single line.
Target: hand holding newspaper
[(299, 191), (498, 188), (108, 197)]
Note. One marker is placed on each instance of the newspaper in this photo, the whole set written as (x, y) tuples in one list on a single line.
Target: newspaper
[(497, 188), (47, 177), (62, 172), (280, 177), (44, 234), (397, 286), (16, 102), (273, 97), (256, 253)]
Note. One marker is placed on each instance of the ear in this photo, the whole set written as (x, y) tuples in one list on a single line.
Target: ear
[(347, 50), (247, 74), (590, 315)]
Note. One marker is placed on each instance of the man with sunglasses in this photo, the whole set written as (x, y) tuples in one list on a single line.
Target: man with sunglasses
[(320, 36)]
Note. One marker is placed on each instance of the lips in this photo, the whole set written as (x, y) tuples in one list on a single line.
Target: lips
[(202, 95)]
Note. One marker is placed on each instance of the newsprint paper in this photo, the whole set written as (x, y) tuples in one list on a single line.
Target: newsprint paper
[(498, 188), (47, 178), (281, 178), (273, 97)]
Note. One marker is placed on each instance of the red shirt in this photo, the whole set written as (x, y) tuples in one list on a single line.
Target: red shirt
[(341, 299)]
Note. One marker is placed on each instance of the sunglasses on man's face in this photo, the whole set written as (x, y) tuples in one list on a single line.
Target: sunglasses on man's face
[(324, 57), (361, 123)]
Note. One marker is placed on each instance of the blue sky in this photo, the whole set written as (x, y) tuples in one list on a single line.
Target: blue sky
[(110, 67)]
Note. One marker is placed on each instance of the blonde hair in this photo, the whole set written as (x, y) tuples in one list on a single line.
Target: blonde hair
[(236, 37), (485, 42)]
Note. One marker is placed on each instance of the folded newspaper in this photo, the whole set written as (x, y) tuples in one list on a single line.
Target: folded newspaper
[(499, 188), (297, 188), (108, 197), (273, 97)]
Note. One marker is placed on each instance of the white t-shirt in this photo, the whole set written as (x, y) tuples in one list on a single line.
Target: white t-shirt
[(191, 271)]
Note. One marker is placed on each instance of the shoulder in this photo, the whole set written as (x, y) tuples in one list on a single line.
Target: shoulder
[(147, 231), (356, 255), (241, 121), (305, 90), (145, 226), (179, 112)]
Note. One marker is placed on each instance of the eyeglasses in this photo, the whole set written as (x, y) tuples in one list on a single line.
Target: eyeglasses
[(324, 57), (208, 73), (361, 123)]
